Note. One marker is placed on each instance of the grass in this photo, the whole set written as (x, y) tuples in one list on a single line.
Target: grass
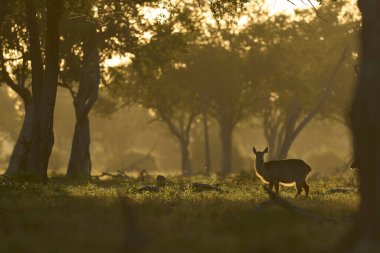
[(111, 216)]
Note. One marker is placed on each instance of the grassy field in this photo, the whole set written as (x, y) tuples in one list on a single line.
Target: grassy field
[(112, 216)]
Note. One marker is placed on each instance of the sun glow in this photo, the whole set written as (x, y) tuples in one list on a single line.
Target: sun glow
[(288, 7), (117, 60)]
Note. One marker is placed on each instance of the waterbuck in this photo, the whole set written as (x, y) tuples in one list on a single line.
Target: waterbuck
[(282, 171)]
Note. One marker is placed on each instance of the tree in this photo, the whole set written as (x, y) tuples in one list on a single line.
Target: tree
[(303, 83), (44, 83), (232, 97), (84, 99), (154, 80), (33, 147), (205, 121), (99, 35), (172, 103), (365, 125), (13, 37)]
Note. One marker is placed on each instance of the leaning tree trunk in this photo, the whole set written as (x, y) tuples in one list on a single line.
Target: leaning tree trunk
[(19, 157), (44, 85), (80, 159), (365, 126), (226, 129)]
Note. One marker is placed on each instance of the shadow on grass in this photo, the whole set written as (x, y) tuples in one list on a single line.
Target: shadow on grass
[(108, 216)]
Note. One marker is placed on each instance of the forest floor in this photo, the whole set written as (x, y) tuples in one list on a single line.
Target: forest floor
[(112, 216)]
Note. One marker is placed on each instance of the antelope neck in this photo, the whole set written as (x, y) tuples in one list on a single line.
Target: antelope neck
[(260, 167)]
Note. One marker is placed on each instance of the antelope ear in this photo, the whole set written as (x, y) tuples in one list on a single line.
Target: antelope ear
[(254, 150), (266, 150)]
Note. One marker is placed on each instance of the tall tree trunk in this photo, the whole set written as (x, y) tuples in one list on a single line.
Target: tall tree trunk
[(207, 145), (285, 147), (44, 85), (365, 126), (80, 159), (186, 166), (226, 130), (19, 157)]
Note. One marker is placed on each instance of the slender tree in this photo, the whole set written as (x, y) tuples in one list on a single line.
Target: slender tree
[(205, 121), (232, 97), (12, 37), (155, 81), (95, 35), (80, 160)]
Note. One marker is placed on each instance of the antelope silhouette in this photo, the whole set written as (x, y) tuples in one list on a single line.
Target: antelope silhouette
[(282, 171)]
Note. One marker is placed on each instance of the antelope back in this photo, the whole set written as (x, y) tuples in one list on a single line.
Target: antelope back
[(287, 171)]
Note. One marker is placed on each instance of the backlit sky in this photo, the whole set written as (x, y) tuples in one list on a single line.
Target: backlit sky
[(274, 7)]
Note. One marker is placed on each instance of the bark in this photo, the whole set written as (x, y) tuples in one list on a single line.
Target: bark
[(44, 85), (80, 159), (226, 129), (19, 157), (207, 144), (365, 126)]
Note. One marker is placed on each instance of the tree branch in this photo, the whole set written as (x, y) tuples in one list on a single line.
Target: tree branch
[(147, 156), (173, 129), (324, 97), (23, 92), (68, 87)]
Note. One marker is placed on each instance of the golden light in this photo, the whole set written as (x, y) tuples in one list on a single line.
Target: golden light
[(288, 7)]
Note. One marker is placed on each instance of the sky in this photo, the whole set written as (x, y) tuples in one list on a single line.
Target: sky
[(274, 7), (277, 6)]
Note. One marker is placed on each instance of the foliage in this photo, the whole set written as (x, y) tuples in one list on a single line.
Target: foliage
[(288, 57)]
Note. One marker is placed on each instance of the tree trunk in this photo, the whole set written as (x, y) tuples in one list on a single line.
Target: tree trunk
[(226, 130), (19, 157), (44, 86), (365, 126), (285, 147), (80, 159), (207, 145), (186, 166)]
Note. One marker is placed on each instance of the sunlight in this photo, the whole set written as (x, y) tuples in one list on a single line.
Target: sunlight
[(288, 7), (153, 15), (274, 7), (117, 60)]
